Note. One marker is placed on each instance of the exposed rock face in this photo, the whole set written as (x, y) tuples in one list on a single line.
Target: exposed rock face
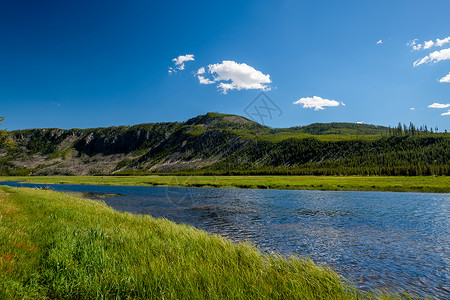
[(161, 147)]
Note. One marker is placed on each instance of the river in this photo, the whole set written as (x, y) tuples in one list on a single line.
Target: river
[(377, 239)]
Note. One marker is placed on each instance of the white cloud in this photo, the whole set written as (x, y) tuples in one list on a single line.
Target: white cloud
[(204, 80), (201, 78), (379, 42), (427, 45), (413, 44), (439, 105), (412, 108), (317, 103), (435, 57), (201, 71), (442, 42), (445, 78), (231, 75), (179, 62), (360, 122)]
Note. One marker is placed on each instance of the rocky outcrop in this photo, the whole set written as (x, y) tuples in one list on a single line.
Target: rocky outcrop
[(158, 147)]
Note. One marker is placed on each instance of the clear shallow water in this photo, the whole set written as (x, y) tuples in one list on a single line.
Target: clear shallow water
[(377, 239)]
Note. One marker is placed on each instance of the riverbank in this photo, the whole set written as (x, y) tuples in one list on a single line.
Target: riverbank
[(428, 184), (56, 245)]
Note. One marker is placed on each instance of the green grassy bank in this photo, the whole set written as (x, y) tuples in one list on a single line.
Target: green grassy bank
[(55, 245), (438, 184)]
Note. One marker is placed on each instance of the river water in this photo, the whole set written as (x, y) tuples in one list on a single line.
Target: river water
[(381, 240)]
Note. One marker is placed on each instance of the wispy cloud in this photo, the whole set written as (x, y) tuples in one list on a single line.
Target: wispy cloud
[(412, 108), (204, 80), (379, 42), (179, 62), (445, 78), (317, 103), (201, 78), (415, 45), (230, 75), (439, 105), (434, 57)]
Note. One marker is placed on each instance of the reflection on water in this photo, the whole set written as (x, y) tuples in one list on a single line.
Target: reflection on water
[(377, 239)]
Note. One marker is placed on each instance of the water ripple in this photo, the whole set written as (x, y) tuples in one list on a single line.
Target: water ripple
[(378, 239)]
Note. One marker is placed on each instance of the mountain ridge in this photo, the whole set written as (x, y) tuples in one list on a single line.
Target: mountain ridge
[(230, 118), (223, 143)]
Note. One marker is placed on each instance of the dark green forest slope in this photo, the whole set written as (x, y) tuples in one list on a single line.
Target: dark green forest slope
[(228, 144)]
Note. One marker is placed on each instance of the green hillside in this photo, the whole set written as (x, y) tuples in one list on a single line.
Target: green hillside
[(228, 144)]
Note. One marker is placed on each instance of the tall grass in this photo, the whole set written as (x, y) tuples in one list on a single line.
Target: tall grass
[(55, 245)]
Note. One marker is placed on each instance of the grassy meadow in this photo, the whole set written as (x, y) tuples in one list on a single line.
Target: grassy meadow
[(56, 245), (436, 184)]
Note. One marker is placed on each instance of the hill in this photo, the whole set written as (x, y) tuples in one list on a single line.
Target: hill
[(227, 144)]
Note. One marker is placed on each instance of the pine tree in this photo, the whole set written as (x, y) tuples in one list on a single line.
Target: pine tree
[(4, 138)]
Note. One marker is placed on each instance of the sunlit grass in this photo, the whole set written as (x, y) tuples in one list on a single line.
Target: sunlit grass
[(55, 245), (440, 184)]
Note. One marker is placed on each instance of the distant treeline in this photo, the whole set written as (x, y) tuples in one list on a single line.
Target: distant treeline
[(412, 129), (394, 155), (399, 154)]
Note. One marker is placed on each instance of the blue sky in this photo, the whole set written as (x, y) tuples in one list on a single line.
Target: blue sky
[(81, 64)]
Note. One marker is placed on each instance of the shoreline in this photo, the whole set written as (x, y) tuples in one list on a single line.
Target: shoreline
[(419, 184), (205, 265)]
